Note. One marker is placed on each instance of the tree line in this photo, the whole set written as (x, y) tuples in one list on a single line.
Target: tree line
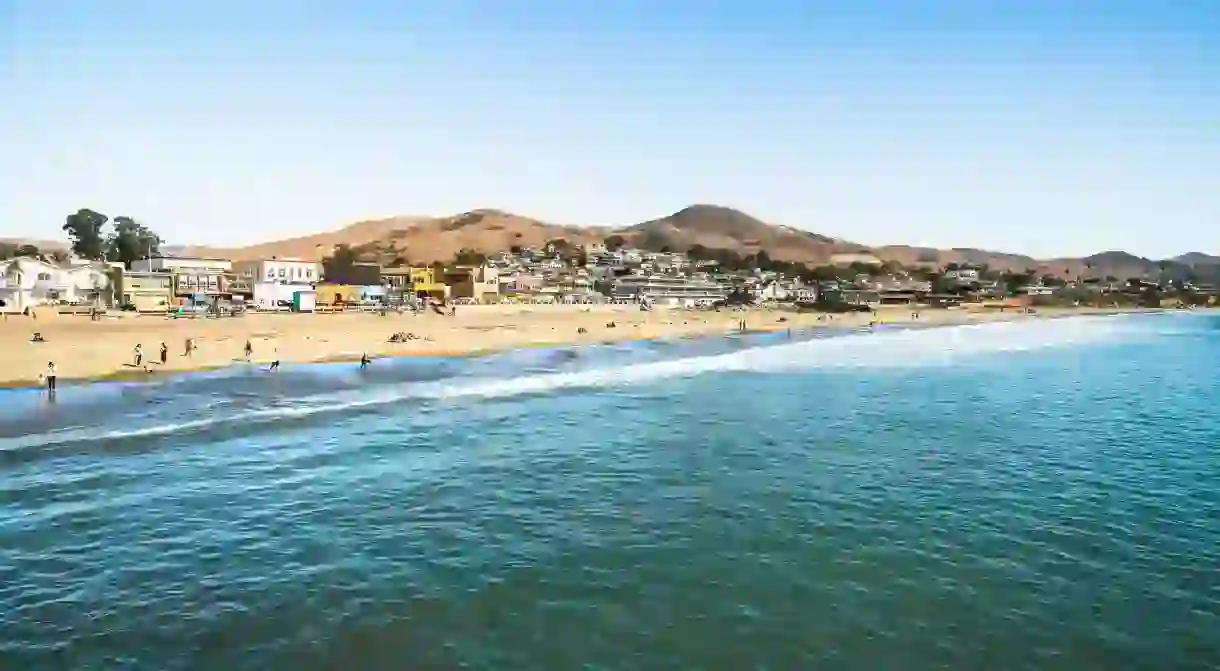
[(128, 240)]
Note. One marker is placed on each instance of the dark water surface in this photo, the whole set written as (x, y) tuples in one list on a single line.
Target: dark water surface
[(1011, 496)]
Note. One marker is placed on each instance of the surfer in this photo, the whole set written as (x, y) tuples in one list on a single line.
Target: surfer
[(364, 361)]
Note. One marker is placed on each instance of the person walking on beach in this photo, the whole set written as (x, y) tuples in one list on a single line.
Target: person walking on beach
[(51, 373), (188, 347), (138, 354), (364, 360), (164, 352), (249, 349)]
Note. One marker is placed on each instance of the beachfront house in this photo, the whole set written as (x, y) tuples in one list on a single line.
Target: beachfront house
[(426, 283), (191, 276), (27, 282), (480, 284)]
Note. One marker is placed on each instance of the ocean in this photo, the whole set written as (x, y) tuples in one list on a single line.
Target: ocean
[(1026, 495)]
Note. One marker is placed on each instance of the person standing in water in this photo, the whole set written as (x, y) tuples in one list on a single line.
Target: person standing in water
[(51, 373), (364, 361)]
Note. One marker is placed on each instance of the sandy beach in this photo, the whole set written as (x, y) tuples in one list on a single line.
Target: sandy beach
[(84, 349)]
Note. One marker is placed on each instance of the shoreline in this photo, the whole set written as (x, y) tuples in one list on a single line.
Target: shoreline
[(82, 349)]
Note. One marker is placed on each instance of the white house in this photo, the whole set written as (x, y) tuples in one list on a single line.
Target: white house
[(28, 282)]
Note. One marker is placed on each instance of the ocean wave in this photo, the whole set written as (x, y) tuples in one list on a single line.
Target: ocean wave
[(883, 348)]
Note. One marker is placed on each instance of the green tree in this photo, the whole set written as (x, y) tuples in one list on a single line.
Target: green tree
[(340, 262), (84, 228), (469, 257), (7, 251), (1014, 281), (824, 273), (614, 242), (26, 250), (130, 241)]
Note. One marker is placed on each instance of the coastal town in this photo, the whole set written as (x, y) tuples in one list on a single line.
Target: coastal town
[(73, 317), (557, 274)]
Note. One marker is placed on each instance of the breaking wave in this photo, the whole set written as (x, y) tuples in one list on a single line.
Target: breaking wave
[(882, 347)]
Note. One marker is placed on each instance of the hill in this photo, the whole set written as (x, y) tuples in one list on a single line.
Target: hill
[(718, 227), (416, 239), (401, 240)]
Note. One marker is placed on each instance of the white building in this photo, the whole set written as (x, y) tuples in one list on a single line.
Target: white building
[(27, 282), (279, 271), (274, 282), (848, 258), (667, 290), (963, 275)]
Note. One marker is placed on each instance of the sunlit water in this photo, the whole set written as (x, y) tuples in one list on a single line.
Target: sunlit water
[(1027, 495)]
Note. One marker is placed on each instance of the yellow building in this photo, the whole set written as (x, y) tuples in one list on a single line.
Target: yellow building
[(334, 294), (425, 283)]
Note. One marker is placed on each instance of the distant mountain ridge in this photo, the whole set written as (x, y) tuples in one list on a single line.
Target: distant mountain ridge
[(414, 239)]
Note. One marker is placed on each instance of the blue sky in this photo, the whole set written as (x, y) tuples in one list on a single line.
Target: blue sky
[(1048, 128)]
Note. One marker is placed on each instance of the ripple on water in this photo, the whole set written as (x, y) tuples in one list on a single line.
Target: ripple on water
[(1049, 508)]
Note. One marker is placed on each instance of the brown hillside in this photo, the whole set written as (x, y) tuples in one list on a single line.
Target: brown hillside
[(718, 227), (417, 239), (398, 240)]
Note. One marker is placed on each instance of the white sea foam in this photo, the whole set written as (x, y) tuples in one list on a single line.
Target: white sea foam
[(883, 348)]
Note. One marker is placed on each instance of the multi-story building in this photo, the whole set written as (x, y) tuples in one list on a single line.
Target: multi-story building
[(191, 275), (426, 284), (667, 290), (145, 291), (279, 271), (273, 283), (478, 283)]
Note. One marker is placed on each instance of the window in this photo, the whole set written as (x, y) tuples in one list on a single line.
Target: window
[(309, 273), (44, 276), (281, 273)]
